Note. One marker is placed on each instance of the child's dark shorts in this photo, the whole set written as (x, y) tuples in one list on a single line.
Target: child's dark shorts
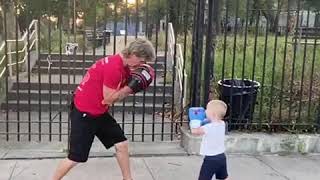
[(214, 165)]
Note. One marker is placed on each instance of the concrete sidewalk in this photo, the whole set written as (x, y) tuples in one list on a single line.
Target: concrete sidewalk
[(241, 167)]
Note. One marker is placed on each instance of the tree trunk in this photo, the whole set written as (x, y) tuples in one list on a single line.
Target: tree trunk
[(2, 22), (317, 20), (173, 14), (10, 20), (274, 20), (1, 25), (217, 16)]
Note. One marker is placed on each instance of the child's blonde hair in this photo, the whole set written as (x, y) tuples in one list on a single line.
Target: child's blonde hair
[(141, 48), (217, 107)]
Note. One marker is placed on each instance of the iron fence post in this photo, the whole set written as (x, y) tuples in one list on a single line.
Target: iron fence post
[(197, 45), (209, 51), (318, 118)]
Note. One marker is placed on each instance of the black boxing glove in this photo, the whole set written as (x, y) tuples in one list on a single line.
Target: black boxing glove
[(140, 78)]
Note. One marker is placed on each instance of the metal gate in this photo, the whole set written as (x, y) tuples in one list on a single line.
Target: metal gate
[(53, 44), (274, 45)]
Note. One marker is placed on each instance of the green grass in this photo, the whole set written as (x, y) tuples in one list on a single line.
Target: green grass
[(160, 42), (264, 63)]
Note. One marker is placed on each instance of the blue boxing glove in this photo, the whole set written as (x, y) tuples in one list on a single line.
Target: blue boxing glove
[(197, 116)]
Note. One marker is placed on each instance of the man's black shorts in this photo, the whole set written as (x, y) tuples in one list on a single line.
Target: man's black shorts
[(83, 130)]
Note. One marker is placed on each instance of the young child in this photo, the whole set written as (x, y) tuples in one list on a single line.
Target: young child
[(212, 145)]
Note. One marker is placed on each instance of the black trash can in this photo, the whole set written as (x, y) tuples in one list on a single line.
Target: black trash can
[(240, 96)]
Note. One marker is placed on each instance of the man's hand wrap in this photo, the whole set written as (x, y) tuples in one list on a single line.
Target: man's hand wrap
[(141, 78)]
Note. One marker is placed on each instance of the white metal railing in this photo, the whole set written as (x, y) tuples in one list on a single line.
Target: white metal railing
[(171, 40), (181, 75), (32, 40)]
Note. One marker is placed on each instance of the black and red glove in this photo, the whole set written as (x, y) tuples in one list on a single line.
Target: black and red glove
[(141, 78)]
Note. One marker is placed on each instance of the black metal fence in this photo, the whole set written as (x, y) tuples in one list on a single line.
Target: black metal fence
[(266, 56), (263, 54), (53, 44)]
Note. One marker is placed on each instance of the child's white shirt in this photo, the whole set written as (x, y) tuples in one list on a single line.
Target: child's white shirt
[(213, 140)]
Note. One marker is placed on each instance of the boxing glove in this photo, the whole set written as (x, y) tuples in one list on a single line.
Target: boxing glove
[(141, 78), (197, 116)]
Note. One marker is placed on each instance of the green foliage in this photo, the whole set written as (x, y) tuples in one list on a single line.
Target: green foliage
[(160, 41), (313, 4), (37, 8), (156, 9), (57, 36)]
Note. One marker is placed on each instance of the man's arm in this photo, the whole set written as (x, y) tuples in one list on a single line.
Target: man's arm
[(198, 131), (113, 95), (140, 79)]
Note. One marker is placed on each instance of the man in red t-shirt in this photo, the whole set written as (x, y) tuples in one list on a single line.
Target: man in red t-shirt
[(107, 81)]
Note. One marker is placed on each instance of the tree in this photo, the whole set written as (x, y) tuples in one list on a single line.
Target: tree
[(9, 8), (315, 6), (26, 10), (270, 9), (34, 9), (94, 10)]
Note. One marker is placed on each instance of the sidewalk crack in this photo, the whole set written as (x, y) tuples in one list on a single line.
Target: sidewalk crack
[(272, 168), (148, 168), (11, 174)]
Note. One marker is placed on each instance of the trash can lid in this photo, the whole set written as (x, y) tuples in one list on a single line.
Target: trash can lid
[(244, 83)]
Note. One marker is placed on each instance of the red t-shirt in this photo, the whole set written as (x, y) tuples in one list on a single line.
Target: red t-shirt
[(109, 71)]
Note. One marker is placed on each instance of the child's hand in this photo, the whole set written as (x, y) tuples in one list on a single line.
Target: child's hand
[(195, 124)]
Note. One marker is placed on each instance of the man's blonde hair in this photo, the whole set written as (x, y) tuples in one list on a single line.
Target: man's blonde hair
[(217, 107), (141, 48)]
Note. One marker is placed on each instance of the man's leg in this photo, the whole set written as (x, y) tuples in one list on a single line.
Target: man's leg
[(63, 168), (110, 134), (122, 154), (81, 138)]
